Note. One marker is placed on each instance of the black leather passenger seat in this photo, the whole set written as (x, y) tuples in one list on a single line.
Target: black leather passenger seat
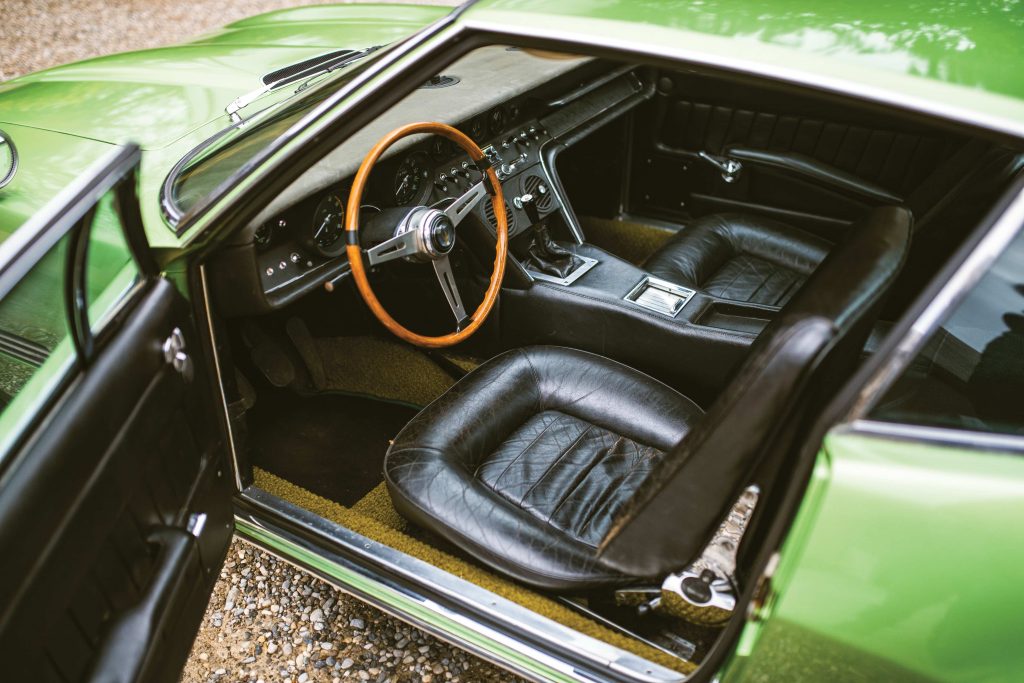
[(740, 257), (569, 471)]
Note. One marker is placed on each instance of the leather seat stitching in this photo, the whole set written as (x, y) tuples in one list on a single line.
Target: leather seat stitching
[(484, 461), (556, 461), (605, 497)]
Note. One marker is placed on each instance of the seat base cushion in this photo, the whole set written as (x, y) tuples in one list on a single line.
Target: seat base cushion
[(740, 257), (525, 463)]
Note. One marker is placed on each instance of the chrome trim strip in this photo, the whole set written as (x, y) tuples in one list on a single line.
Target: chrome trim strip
[(977, 263), (635, 295), (25, 350), (236, 472), (942, 436), (363, 579)]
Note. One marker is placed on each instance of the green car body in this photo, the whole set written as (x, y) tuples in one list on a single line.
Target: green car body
[(869, 583)]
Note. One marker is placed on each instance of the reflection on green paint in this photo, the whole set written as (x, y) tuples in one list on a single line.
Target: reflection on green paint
[(903, 564)]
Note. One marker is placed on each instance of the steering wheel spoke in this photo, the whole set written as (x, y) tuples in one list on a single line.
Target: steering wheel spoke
[(399, 246), (428, 235), (465, 203), (443, 269)]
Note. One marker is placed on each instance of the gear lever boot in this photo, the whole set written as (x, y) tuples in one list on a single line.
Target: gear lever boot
[(545, 254), (548, 256)]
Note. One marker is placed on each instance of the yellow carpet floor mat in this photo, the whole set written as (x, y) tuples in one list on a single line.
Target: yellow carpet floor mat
[(632, 241), (382, 368), (376, 518)]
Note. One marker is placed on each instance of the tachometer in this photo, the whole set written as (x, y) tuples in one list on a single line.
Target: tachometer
[(328, 227), (410, 176)]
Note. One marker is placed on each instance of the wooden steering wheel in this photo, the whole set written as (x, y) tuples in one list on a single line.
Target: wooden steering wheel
[(426, 234)]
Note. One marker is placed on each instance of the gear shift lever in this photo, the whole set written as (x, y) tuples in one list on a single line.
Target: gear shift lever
[(545, 254)]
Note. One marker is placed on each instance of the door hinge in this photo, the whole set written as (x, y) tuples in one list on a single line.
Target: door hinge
[(763, 591), (175, 356)]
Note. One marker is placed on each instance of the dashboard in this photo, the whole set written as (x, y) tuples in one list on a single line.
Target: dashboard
[(302, 246)]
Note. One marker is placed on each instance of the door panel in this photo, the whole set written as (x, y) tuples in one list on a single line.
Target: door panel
[(690, 114), (115, 508)]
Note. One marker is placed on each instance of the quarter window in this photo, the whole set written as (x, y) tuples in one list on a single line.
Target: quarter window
[(970, 374), (36, 350)]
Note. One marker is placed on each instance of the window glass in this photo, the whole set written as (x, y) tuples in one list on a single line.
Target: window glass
[(970, 374), (35, 348)]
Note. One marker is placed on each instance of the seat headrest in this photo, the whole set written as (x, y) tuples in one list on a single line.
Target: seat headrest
[(816, 336)]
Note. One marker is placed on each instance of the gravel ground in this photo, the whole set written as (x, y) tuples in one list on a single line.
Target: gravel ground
[(266, 621)]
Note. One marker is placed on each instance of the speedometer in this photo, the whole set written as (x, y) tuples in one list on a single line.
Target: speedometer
[(327, 227), (410, 176)]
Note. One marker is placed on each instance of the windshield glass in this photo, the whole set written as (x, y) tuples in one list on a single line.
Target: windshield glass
[(217, 159)]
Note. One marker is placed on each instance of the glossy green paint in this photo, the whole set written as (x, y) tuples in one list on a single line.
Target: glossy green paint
[(904, 564), (170, 99), (153, 97), (49, 163), (968, 44)]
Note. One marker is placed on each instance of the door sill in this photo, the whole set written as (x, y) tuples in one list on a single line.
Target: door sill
[(452, 609)]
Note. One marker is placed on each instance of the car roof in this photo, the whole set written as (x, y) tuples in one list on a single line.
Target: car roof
[(955, 59)]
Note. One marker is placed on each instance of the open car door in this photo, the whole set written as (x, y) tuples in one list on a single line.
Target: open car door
[(115, 510)]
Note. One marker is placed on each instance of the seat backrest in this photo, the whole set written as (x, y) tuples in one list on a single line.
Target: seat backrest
[(808, 348)]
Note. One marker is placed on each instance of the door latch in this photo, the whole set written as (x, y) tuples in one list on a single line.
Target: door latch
[(729, 168), (175, 356)]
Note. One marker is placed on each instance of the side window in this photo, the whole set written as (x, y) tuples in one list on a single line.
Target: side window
[(970, 374), (37, 352)]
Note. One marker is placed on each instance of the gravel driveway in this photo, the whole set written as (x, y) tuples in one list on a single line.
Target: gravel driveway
[(266, 621)]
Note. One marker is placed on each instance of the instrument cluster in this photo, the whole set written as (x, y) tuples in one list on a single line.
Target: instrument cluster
[(311, 234)]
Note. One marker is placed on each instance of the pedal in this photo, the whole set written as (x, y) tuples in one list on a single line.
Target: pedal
[(306, 346), (268, 356)]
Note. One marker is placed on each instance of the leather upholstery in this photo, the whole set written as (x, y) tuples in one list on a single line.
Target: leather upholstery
[(796, 364), (569, 471), (526, 461), (740, 257)]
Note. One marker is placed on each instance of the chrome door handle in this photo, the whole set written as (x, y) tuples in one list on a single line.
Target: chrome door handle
[(729, 168), (175, 355)]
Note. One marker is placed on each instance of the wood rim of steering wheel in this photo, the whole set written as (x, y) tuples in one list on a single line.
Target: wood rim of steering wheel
[(355, 252)]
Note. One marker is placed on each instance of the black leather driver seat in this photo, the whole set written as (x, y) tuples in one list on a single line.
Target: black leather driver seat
[(740, 257), (567, 471)]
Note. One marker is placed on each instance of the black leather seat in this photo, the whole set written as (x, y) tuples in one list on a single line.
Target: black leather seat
[(740, 257), (569, 471)]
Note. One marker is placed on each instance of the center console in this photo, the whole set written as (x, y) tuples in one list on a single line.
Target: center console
[(686, 338)]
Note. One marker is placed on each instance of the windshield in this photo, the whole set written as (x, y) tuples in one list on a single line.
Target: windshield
[(220, 157)]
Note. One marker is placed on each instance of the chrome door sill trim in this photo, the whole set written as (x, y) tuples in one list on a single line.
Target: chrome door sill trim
[(506, 642)]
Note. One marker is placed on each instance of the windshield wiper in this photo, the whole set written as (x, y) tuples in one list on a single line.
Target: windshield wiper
[(300, 71)]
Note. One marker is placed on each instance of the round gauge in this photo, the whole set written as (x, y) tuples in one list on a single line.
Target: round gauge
[(496, 121), (440, 149), (513, 113), (478, 128), (410, 176), (328, 227), (263, 235)]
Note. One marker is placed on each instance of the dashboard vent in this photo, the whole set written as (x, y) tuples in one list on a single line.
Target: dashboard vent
[(543, 199), (509, 216)]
